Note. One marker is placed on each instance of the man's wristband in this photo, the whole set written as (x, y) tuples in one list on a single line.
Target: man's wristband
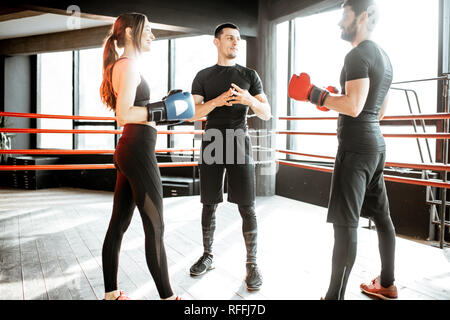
[(317, 96)]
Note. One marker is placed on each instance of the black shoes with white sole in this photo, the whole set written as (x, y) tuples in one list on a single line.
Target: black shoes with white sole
[(253, 278), (205, 263)]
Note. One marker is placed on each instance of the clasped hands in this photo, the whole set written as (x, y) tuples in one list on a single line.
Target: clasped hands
[(235, 95)]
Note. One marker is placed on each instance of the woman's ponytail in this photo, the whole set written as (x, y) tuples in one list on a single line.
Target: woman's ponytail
[(109, 58), (116, 38)]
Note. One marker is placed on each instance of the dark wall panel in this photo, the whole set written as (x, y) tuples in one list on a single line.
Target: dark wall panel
[(261, 56), (303, 185), (444, 30), (18, 96), (289, 9), (2, 83)]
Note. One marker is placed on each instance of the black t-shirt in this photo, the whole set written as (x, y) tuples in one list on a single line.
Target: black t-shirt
[(363, 134), (213, 81)]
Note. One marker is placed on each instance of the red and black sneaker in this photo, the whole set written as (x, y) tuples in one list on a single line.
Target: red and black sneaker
[(123, 296), (173, 297), (376, 289)]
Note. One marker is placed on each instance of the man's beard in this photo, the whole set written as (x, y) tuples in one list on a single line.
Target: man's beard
[(231, 56), (350, 33)]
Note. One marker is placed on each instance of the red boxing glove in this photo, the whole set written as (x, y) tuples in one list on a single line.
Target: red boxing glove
[(330, 89), (300, 87), (322, 108)]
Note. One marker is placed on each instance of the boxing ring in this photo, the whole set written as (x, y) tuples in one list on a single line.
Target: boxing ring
[(442, 168)]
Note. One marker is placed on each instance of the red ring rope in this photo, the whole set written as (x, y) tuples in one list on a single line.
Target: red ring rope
[(23, 130), (434, 167), (52, 116), (61, 116), (437, 116), (86, 166), (386, 135), (413, 181), (56, 151)]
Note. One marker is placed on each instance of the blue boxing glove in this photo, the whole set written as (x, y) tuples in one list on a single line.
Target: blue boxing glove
[(180, 106), (171, 92), (176, 106)]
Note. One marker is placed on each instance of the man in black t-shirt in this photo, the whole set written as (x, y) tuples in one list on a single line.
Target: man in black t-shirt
[(223, 93), (357, 185)]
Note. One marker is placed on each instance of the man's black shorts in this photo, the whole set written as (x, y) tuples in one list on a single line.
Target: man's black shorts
[(240, 174), (357, 187)]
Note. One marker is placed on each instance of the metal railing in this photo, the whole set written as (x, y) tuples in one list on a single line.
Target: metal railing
[(437, 217)]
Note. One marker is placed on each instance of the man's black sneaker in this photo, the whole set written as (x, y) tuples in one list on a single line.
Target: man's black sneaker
[(205, 263), (253, 278)]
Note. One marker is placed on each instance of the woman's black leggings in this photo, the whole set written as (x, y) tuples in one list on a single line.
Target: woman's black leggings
[(138, 184)]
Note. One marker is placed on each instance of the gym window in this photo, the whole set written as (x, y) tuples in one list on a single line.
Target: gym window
[(317, 48), (55, 98)]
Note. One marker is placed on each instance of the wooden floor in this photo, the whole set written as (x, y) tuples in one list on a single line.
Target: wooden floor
[(51, 240)]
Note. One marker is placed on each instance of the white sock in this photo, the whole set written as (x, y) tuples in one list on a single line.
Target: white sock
[(174, 297), (112, 295)]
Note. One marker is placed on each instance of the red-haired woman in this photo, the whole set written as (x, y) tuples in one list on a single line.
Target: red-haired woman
[(138, 183)]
